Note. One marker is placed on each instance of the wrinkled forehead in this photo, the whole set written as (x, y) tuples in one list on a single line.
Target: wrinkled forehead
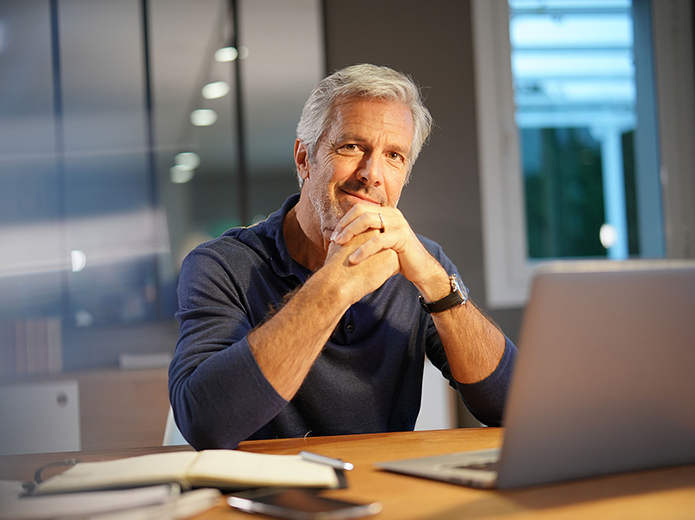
[(350, 115)]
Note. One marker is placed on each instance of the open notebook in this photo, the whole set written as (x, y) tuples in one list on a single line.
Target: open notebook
[(224, 469), (604, 381)]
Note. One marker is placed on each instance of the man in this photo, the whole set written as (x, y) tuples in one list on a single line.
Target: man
[(314, 321)]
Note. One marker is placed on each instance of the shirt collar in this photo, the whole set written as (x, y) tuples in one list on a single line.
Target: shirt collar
[(271, 232)]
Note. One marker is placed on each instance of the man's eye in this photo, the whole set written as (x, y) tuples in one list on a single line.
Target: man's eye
[(396, 157), (349, 148)]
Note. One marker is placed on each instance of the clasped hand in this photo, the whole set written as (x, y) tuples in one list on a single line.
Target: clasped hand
[(366, 232)]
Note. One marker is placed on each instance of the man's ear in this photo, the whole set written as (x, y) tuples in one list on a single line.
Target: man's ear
[(301, 159)]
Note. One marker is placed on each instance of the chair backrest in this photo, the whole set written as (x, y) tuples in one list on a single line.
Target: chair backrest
[(172, 435)]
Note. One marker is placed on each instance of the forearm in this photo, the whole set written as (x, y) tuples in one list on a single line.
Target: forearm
[(478, 356), (473, 344), (221, 392), (287, 345), (228, 379)]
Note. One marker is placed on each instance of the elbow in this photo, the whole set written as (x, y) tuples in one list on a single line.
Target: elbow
[(203, 436), (202, 427)]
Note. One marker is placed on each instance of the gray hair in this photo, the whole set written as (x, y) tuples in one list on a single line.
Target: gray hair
[(362, 81)]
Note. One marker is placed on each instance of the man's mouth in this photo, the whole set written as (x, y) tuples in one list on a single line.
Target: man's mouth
[(361, 197)]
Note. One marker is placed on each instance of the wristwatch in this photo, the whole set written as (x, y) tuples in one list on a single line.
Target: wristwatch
[(457, 296)]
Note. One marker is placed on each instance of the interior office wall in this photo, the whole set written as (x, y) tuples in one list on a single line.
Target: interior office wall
[(432, 42)]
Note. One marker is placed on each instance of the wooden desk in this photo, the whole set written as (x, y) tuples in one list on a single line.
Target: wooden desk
[(664, 493)]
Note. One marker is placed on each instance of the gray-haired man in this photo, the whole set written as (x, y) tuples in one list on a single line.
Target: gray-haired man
[(317, 320)]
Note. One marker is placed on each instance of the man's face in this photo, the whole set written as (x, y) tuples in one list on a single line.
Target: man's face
[(363, 158)]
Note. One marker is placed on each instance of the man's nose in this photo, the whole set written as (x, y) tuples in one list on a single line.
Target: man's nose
[(371, 171)]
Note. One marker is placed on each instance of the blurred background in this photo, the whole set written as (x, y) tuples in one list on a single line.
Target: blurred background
[(133, 130), (123, 123)]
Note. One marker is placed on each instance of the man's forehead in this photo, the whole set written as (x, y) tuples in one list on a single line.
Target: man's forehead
[(343, 102), (346, 117)]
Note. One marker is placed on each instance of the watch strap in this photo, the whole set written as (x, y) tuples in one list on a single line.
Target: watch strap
[(457, 296)]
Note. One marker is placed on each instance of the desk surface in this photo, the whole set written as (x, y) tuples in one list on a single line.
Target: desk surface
[(664, 493)]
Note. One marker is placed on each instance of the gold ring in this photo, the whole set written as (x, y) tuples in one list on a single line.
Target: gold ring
[(383, 228)]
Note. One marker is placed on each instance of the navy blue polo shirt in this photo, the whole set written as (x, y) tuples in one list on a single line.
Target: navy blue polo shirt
[(367, 379)]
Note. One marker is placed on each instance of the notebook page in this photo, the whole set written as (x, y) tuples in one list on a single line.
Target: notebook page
[(144, 470), (258, 469)]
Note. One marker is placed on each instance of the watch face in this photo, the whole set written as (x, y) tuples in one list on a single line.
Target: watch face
[(458, 287)]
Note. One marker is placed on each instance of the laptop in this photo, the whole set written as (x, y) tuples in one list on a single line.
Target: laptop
[(604, 381)]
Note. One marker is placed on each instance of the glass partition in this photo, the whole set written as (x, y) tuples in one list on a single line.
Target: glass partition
[(131, 131)]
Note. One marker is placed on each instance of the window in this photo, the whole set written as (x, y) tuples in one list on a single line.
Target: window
[(569, 152), (574, 92)]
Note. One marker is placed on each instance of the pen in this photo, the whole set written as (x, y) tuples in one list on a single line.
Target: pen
[(320, 459)]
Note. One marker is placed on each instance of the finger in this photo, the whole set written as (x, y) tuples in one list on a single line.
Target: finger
[(371, 247), (354, 226), (351, 245), (347, 227), (353, 213)]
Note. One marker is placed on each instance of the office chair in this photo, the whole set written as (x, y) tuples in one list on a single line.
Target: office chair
[(172, 435)]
